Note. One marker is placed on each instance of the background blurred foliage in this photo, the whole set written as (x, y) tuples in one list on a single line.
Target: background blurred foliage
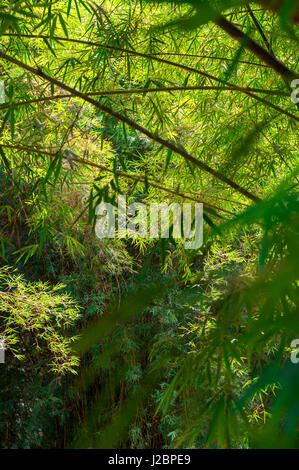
[(158, 101)]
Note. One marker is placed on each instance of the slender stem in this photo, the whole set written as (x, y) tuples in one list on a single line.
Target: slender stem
[(140, 91), (211, 57), (251, 45), (260, 30), (138, 178)]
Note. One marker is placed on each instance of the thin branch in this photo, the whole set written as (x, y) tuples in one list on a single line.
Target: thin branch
[(260, 30), (190, 194), (141, 91), (119, 49), (225, 59), (179, 54), (138, 178), (251, 45)]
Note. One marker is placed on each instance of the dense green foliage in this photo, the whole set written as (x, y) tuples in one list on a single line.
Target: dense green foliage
[(141, 343)]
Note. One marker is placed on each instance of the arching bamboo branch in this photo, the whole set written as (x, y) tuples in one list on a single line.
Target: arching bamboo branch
[(105, 109)]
